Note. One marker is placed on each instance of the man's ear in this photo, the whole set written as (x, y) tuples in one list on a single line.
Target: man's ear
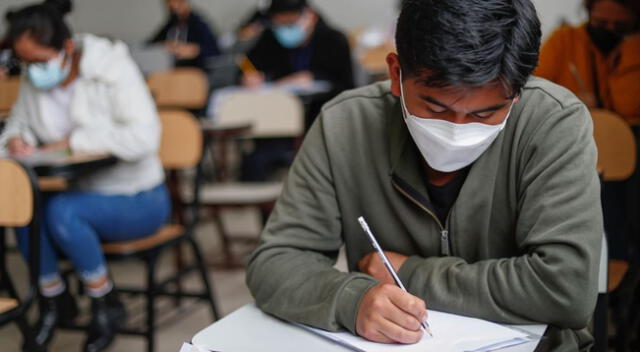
[(393, 66)]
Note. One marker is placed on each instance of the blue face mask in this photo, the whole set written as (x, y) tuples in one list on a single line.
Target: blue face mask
[(47, 75), (290, 36)]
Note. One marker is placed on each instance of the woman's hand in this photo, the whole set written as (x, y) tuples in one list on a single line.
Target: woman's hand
[(18, 147)]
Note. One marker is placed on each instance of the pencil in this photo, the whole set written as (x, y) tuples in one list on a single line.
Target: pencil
[(246, 66), (387, 264)]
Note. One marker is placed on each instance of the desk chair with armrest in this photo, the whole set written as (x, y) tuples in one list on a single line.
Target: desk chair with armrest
[(180, 149), (616, 162), (271, 114), (19, 201)]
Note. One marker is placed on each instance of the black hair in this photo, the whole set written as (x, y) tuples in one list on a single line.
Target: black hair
[(43, 22), (468, 43), (280, 6), (633, 5)]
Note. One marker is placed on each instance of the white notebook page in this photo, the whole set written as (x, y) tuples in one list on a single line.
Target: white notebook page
[(450, 333)]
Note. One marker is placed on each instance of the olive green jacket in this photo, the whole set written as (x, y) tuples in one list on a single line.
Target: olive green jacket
[(520, 245)]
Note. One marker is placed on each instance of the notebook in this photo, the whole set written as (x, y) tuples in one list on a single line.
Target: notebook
[(450, 333)]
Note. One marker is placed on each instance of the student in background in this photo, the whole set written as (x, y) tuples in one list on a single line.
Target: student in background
[(85, 94), (599, 61), (187, 36), (296, 49), (479, 182)]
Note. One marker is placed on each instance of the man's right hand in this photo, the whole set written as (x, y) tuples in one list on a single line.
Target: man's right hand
[(387, 314), (18, 147)]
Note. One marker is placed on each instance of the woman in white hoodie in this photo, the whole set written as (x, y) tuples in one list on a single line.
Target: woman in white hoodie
[(85, 93)]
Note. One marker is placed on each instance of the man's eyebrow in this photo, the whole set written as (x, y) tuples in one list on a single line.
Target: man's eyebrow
[(433, 101), (491, 108), (443, 105)]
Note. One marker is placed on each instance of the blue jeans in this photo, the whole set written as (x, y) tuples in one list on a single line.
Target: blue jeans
[(75, 223)]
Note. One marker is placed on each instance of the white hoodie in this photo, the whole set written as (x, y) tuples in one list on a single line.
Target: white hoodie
[(112, 112)]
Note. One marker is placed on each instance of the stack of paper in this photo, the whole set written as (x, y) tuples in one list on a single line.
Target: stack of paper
[(450, 333)]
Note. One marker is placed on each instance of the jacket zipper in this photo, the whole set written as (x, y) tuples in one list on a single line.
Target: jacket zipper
[(445, 247)]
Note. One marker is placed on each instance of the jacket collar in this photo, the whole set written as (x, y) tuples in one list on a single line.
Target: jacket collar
[(405, 158)]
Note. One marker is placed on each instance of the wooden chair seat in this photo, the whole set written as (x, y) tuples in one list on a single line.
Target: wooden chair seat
[(164, 234), (52, 184), (617, 270), (7, 304)]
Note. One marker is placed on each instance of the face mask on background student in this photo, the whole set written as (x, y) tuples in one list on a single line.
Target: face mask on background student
[(47, 75), (448, 146), (604, 39), (290, 36)]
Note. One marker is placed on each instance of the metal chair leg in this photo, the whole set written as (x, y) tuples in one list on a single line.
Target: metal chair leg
[(600, 326), (151, 262), (230, 260), (205, 279), (27, 334)]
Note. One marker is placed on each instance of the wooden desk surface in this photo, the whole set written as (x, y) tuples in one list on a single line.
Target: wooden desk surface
[(63, 164), (55, 168)]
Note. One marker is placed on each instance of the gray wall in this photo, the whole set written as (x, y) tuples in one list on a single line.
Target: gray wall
[(135, 20)]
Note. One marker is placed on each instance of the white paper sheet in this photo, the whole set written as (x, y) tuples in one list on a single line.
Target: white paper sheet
[(450, 333)]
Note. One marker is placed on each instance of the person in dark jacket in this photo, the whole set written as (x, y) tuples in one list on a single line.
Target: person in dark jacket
[(187, 36), (297, 48)]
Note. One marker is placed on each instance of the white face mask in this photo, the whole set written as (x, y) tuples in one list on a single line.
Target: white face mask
[(448, 146)]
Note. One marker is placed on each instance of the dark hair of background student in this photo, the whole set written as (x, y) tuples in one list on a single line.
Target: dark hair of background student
[(43, 22), (280, 6), (633, 5), (468, 43)]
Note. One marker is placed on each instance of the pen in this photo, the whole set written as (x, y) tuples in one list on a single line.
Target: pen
[(387, 264)]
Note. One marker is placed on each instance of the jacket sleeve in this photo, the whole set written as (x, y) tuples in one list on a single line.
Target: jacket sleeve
[(291, 274), (17, 122), (338, 67), (135, 129), (558, 233), (161, 34), (206, 40)]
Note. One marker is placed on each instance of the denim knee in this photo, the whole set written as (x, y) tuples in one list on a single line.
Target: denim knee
[(60, 213)]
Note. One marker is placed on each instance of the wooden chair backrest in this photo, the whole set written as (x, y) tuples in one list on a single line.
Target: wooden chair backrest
[(16, 194), (8, 92), (272, 113), (185, 88), (181, 141), (616, 145)]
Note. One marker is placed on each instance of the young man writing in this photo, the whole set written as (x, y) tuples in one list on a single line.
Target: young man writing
[(478, 180)]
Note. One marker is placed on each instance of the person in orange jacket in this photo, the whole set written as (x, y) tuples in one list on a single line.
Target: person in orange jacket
[(599, 61)]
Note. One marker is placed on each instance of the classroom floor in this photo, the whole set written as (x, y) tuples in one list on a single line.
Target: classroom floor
[(176, 325)]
